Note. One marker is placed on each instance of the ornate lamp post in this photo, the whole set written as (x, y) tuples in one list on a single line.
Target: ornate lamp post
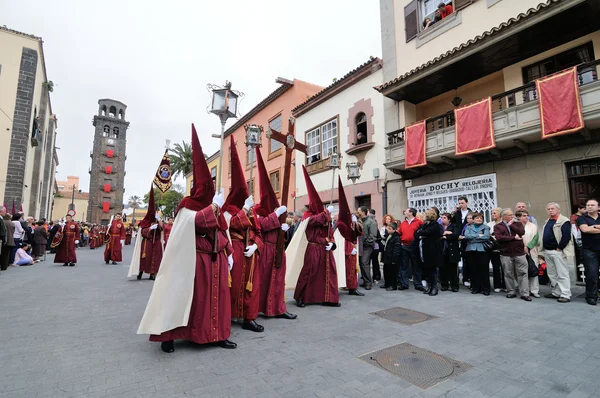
[(334, 163), (253, 133), (353, 169)]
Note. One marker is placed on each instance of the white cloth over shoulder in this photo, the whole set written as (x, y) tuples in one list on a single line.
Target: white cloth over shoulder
[(171, 298), (134, 267), (294, 255), (340, 258)]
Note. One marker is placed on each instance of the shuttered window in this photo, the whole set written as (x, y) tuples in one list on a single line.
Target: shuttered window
[(411, 26), (460, 4)]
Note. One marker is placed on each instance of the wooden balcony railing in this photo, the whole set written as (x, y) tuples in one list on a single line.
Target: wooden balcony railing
[(586, 73)]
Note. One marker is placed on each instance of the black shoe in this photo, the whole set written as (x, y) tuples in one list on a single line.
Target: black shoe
[(287, 315), (363, 285), (563, 300), (403, 288), (526, 298), (151, 277), (511, 295), (227, 344), (71, 264), (591, 301), (65, 264), (389, 289), (326, 304), (368, 287), (253, 326), (300, 303), (106, 262), (421, 289), (454, 289), (140, 276), (474, 292), (383, 287), (550, 296), (114, 263), (355, 293), (426, 290), (433, 291), (486, 293), (444, 289), (167, 346)]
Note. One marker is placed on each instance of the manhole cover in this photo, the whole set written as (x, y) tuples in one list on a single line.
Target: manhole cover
[(416, 365), (403, 315)]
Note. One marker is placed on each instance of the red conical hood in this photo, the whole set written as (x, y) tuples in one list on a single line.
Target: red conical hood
[(315, 205), (239, 188), (268, 199), (203, 189), (151, 213), (344, 223)]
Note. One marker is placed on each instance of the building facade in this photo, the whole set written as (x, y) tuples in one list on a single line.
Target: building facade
[(107, 173), (69, 196), (272, 112), (497, 49), (330, 122), (27, 125)]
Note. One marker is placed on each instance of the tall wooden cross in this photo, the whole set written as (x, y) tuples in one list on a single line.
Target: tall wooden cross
[(289, 142)]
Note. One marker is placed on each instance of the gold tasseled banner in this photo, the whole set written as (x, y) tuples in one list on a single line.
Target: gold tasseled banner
[(229, 278)]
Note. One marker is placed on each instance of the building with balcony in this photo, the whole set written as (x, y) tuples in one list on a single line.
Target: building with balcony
[(27, 125), (344, 118), (497, 49), (272, 112)]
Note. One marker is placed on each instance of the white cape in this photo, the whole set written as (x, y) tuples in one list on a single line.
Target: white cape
[(340, 258), (294, 255), (171, 298)]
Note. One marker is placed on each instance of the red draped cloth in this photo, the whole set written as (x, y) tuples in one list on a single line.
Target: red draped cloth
[(113, 250), (65, 251), (317, 282), (474, 130), (210, 314), (560, 103), (351, 274), (272, 279), (415, 145), (245, 275), (152, 250), (168, 228)]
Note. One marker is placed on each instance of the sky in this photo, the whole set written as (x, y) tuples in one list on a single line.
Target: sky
[(157, 57)]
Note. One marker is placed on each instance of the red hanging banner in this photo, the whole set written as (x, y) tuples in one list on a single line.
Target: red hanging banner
[(105, 207), (415, 145), (474, 130), (109, 170), (110, 153), (106, 187), (560, 103)]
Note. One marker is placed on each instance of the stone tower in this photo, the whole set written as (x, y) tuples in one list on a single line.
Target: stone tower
[(107, 174)]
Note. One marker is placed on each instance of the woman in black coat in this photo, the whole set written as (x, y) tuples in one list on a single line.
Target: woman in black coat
[(429, 236), (450, 254)]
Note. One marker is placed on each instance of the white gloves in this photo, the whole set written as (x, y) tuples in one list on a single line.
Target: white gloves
[(330, 209), (76, 242), (250, 250), (248, 203), (280, 210), (122, 242), (285, 227), (219, 198), (154, 226), (157, 216), (329, 246), (230, 261), (354, 219), (353, 251)]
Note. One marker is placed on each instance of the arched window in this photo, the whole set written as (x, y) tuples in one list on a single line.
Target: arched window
[(115, 132), (121, 114), (103, 110), (105, 131), (361, 128), (112, 112)]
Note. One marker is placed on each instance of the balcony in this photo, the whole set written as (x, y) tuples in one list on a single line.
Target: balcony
[(516, 127)]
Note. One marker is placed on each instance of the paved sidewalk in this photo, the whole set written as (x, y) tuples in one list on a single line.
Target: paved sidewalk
[(71, 332)]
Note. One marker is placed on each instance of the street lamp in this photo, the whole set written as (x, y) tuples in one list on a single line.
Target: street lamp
[(223, 104), (253, 133), (353, 169), (334, 163)]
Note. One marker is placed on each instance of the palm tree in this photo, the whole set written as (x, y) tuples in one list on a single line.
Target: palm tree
[(181, 159), (134, 202)]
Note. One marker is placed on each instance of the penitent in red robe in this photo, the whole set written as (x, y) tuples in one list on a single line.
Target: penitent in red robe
[(128, 234), (272, 280), (351, 274), (210, 314), (317, 282), (113, 249), (152, 250), (167, 233), (65, 252), (245, 275)]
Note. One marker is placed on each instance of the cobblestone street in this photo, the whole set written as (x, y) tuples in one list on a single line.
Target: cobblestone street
[(71, 332)]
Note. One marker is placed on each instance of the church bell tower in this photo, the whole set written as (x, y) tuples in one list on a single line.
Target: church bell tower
[(107, 173)]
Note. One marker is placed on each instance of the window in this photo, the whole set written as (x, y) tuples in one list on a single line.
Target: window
[(213, 172), (105, 131), (556, 63), (103, 110), (275, 125), (115, 132), (275, 182), (322, 141), (121, 114), (112, 112), (419, 15), (361, 128)]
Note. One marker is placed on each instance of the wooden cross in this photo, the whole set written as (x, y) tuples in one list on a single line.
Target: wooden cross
[(289, 142)]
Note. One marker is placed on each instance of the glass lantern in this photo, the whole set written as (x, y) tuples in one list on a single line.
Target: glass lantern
[(224, 102), (253, 135), (334, 160), (353, 171)]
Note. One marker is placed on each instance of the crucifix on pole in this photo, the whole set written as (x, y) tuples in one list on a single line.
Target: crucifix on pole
[(290, 144)]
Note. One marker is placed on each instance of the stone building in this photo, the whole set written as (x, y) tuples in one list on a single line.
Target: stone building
[(107, 172), (27, 125)]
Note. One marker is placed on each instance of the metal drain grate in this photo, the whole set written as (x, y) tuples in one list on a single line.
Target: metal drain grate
[(403, 315), (416, 365)]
